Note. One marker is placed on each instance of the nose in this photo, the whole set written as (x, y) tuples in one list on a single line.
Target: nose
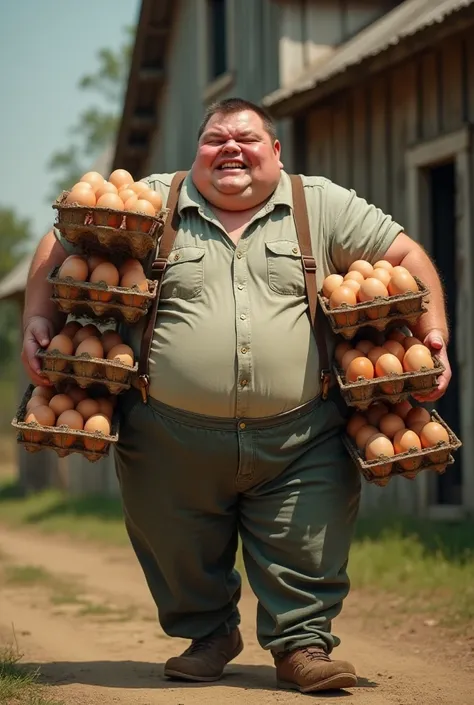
[(231, 146)]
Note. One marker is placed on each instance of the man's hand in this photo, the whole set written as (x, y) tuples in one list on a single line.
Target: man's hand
[(38, 334), (434, 341)]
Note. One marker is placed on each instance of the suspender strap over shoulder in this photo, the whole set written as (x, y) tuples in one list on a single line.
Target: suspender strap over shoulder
[(158, 268), (300, 214)]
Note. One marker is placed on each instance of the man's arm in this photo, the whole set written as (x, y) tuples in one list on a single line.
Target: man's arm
[(432, 328), (41, 318)]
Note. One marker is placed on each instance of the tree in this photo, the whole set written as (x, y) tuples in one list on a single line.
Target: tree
[(95, 127), (15, 242)]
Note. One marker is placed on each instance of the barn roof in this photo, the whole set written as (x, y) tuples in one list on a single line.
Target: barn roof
[(407, 28)]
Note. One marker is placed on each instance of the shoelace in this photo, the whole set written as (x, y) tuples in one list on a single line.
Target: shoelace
[(315, 654), (198, 645)]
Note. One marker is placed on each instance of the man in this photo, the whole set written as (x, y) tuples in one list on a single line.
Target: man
[(235, 437)]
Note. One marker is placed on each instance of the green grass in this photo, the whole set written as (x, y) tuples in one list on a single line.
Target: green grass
[(18, 685), (431, 564)]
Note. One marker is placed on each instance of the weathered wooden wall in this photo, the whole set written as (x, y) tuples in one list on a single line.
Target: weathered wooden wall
[(360, 140)]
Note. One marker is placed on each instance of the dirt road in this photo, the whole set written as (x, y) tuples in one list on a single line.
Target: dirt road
[(88, 621)]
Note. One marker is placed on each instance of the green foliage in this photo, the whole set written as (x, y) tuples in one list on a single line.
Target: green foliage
[(95, 127)]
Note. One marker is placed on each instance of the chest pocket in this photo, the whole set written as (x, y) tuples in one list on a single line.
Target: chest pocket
[(284, 268), (184, 276)]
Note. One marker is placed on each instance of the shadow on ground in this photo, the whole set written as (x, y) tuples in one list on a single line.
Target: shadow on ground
[(137, 674)]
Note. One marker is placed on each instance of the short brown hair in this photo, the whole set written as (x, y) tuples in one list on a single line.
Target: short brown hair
[(235, 105)]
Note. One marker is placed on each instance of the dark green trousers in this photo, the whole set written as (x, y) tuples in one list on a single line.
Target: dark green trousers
[(191, 484)]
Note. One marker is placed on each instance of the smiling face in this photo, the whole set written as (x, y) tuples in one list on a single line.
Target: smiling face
[(237, 164)]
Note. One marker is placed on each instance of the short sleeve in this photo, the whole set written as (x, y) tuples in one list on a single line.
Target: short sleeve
[(356, 228)]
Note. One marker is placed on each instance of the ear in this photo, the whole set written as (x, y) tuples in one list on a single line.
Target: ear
[(277, 152)]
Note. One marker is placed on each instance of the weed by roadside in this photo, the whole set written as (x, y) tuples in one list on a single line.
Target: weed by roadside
[(18, 685)]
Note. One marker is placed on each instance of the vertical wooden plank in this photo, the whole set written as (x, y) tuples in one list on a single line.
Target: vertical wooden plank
[(469, 78), (380, 154), (319, 142), (341, 144), (360, 143), (403, 133), (430, 117), (452, 103)]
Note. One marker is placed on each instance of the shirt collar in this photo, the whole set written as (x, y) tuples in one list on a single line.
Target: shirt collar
[(190, 197)]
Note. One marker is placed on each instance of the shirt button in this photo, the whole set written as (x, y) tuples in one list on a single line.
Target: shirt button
[(242, 425), (244, 383), (243, 350), (176, 257), (295, 250), (243, 317), (240, 287), (239, 255)]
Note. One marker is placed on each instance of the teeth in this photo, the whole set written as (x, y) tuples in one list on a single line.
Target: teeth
[(232, 165)]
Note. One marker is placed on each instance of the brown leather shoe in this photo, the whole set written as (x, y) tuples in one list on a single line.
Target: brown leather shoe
[(206, 658), (310, 669)]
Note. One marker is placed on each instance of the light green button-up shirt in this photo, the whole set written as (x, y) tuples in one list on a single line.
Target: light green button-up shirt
[(232, 335)]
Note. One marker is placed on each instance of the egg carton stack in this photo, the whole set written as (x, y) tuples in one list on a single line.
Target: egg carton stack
[(114, 225), (379, 365)]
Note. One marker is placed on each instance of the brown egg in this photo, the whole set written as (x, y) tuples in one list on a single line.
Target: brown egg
[(106, 407), (42, 415), (383, 275), (395, 348), (390, 424), (360, 265), (130, 203), (105, 188), (83, 185), (125, 193), (81, 197), (61, 403), (356, 422), (417, 415), (92, 346), (97, 423), (364, 346), (107, 273), (71, 328), (432, 434), (359, 368), (333, 281), (87, 408), (93, 261), (121, 178), (364, 434), (402, 408), (410, 341), (85, 332), (398, 335), (109, 340), (376, 352), (383, 264), (113, 202), (388, 365), (74, 267), (139, 187), (417, 358), (62, 343), (352, 284), (380, 446), (76, 393), (375, 412), (45, 392), (401, 283), (74, 421), (121, 353), (131, 279), (348, 357), (129, 265), (135, 222), (94, 179), (406, 440), (418, 427), (340, 350), (36, 401), (154, 198), (370, 290), (355, 276), (344, 295)]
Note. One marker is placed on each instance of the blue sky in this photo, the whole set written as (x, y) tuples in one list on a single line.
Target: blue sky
[(45, 48)]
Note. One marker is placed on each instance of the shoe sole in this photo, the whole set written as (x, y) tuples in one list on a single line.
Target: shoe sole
[(339, 682), (181, 675)]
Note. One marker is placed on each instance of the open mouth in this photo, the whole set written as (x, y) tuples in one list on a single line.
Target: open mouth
[(232, 165)]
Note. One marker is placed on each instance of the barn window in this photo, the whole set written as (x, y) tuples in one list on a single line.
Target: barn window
[(218, 39)]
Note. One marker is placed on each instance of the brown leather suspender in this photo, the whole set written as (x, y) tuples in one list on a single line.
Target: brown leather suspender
[(158, 267), (300, 214), (157, 272)]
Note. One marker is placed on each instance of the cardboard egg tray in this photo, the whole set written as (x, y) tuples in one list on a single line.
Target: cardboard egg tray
[(124, 305), (407, 308), (34, 437), (367, 391), (436, 459), (86, 371), (76, 224)]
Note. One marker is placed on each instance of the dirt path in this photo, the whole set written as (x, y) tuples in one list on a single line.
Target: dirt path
[(105, 647)]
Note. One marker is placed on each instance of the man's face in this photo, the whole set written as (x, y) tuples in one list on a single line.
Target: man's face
[(237, 166)]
